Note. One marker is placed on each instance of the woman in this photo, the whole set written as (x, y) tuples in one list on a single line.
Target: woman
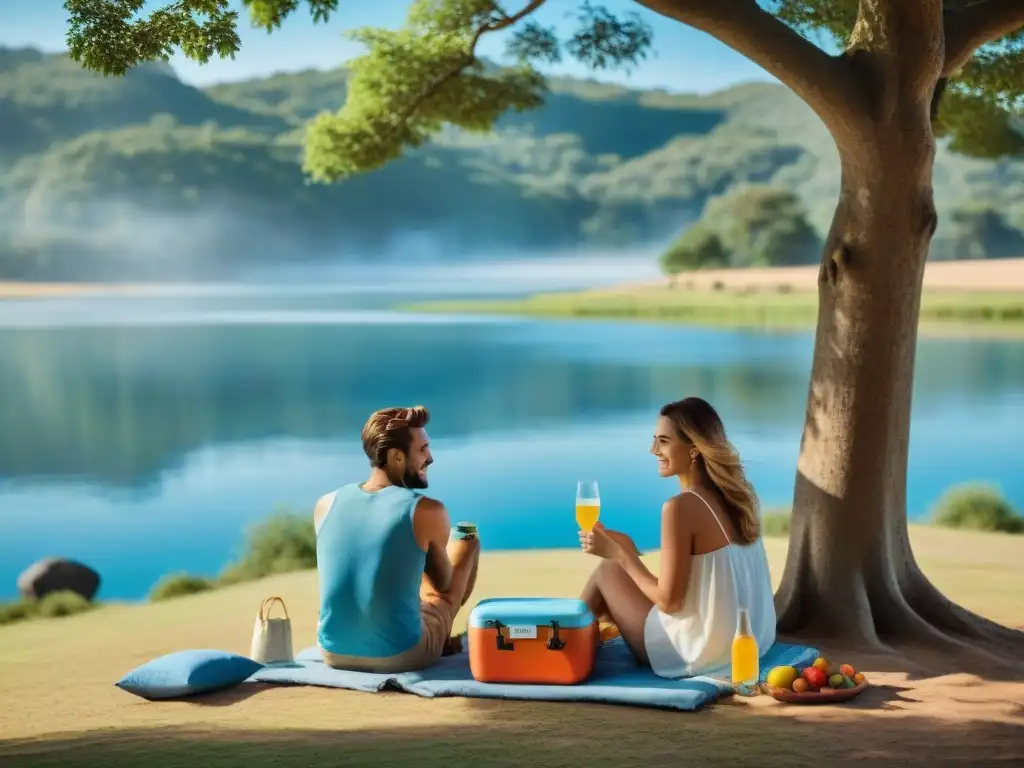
[(682, 622)]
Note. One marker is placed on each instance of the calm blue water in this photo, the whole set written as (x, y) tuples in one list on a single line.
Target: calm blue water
[(142, 435)]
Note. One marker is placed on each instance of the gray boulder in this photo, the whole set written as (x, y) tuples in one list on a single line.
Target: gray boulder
[(56, 574)]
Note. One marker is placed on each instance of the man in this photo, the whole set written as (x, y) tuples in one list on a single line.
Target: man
[(391, 583)]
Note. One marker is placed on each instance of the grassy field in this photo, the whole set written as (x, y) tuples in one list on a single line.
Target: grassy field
[(58, 706), (747, 307)]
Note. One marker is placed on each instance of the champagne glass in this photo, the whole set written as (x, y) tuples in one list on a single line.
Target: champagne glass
[(588, 504)]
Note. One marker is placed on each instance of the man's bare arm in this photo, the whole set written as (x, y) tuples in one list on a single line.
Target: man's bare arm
[(433, 528), (323, 506)]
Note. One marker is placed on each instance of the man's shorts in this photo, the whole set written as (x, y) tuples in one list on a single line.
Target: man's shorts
[(437, 615)]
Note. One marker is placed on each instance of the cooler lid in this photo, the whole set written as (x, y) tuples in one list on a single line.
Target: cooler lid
[(570, 613)]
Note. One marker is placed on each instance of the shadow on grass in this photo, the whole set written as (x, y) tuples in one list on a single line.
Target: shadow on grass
[(920, 663), (502, 733), (229, 696)]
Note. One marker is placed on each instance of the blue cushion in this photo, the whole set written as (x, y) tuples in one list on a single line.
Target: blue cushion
[(186, 673)]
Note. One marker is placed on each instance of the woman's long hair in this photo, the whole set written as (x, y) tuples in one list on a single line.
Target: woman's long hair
[(699, 424)]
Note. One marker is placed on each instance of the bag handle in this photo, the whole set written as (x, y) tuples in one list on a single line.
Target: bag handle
[(267, 605)]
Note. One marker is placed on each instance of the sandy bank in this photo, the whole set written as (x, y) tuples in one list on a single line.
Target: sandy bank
[(999, 275)]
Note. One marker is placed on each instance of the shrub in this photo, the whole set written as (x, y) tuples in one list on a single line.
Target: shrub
[(775, 522), (17, 610), (977, 507), (697, 248), (281, 543), (63, 603), (178, 585)]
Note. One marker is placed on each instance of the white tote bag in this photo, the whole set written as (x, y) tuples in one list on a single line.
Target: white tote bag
[(272, 638)]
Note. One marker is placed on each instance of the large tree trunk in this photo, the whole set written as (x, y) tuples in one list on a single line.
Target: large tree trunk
[(850, 572)]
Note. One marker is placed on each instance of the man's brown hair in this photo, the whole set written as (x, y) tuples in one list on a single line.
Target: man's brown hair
[(391, 428)]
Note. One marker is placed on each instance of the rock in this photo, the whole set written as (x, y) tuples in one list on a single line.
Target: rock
[(55, 574)]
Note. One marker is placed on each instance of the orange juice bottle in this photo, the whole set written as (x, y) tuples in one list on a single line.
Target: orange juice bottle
[(745, 657)]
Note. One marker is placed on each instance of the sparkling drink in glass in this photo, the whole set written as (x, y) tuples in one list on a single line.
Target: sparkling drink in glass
[(588, 504)]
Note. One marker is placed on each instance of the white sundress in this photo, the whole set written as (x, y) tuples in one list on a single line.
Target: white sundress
[(697, 639)]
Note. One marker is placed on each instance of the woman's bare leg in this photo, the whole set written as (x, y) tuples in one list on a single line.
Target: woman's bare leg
[(611, 591), (594, 599)]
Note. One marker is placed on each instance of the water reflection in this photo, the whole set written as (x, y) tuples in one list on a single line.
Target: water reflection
[(121, 406)]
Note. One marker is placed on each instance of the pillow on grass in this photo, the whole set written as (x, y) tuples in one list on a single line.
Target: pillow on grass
[(186, 673)]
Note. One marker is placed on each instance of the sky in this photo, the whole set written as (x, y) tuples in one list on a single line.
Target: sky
[(684, 60)]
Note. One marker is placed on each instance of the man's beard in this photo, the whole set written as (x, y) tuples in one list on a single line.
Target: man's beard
[(414, 481), (410, 480)]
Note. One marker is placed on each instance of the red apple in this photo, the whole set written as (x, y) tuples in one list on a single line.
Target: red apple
[(815, 677)]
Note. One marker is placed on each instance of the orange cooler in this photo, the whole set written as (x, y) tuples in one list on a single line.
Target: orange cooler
[(538, 640)]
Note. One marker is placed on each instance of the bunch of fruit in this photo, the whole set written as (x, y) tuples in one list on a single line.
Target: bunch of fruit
[(821, 674)]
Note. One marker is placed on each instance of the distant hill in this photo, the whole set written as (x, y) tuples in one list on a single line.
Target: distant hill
[(147, 177)]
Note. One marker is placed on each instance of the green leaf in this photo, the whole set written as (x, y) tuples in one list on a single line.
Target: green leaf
[(602, 40), (534, 43), (270, 14), (978, 125)]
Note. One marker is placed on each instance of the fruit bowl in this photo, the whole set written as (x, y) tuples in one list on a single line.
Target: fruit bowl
[(824, 696), (819, 683)]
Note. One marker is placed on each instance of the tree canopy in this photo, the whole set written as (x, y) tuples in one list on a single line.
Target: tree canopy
[(763, 226), (699, 247), (413, 81), (752, 225)]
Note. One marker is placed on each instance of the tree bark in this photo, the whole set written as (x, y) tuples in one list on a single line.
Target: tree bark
[(850, 573)]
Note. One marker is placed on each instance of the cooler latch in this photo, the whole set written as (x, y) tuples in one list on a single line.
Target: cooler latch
[(555, 643), (501, 643)]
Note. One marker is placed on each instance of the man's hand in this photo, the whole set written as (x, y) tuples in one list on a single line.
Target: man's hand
[(461, 549)]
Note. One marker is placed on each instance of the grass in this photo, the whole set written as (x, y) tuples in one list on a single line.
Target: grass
[(967, 506), (775, 522), (54, 605), (768, 307), (59, 707), (281, 543), (977, 507)]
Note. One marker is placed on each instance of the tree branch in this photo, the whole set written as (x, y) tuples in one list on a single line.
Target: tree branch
[(905, 42), (827, 83), (970, 27), (494, 26)]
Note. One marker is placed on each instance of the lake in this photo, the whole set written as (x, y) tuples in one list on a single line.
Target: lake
[(142, 434)]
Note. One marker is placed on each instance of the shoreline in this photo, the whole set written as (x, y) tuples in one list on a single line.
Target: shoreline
[(728, 311), (966, 275), (13, 289), (964, 299)]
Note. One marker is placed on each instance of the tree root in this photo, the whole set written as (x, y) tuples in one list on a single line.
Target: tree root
[(911, 619), (941, 612)]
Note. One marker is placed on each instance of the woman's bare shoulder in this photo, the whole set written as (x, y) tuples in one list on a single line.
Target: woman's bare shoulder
[(684, 504)]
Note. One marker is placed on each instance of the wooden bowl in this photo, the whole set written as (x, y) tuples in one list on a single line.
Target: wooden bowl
[(823, 696)]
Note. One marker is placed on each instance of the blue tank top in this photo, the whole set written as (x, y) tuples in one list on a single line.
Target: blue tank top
[(370, 567)]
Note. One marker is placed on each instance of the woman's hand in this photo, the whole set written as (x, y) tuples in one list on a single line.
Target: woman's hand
[(599, 543)]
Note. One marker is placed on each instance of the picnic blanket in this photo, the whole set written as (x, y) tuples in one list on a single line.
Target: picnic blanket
[(616, 679)]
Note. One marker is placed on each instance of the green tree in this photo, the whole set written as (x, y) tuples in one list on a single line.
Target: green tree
[(697, 248), (978, 231), (903, 74), (762, 226)]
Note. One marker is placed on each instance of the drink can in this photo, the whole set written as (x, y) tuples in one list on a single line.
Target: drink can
[(465, 530)]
